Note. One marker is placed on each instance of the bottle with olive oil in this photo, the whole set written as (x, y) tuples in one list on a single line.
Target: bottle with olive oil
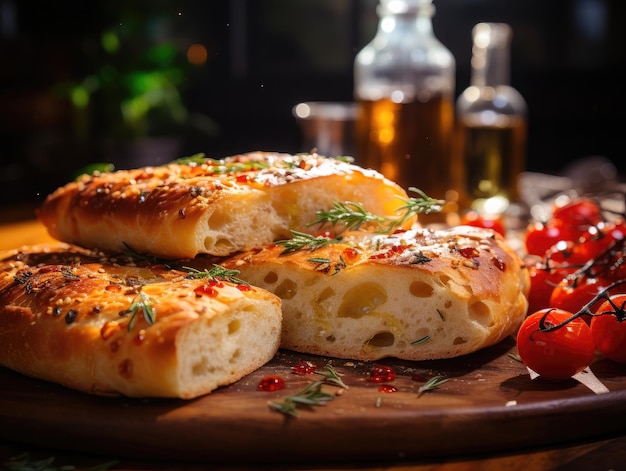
[(404, 84), (491, 126)]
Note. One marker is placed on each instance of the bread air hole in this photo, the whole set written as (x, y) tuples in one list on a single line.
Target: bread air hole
[(221, 245), (270, 278), (362, 300), (286, 290), (381, 339), (480, 312), (234, 326), (419, 289)]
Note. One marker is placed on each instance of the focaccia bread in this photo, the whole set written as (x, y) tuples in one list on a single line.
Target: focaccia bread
[(205, 206), (414, 295), (105, 327)]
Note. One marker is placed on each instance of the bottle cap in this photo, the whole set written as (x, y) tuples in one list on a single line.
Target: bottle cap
[(402, 7)]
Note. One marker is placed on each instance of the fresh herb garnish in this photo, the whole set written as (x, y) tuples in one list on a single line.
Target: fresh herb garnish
[(432, 383), (221, 166), (302, 241), (198, 158), (95, 169), (424, 339), (216, 273), (422, 204), (311, 396), (353, 215), (331, 376), (140, 303)]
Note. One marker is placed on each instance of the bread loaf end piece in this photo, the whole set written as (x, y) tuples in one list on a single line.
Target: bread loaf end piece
[(101, 326)]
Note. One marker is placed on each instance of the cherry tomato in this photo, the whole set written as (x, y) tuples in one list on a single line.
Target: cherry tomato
[(608, 328), (540, 237), (567, 253), (598, 239), (578, 213), (558, 354), (472, 218), (617, 267), (542, 283), (573, 295)]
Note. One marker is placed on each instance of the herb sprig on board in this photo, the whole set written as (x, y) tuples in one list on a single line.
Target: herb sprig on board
[(311, 396)]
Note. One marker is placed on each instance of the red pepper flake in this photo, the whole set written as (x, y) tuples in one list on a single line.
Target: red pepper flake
[(125, 368), (245, 288), (392, 251), (499, 263), (271, 383), (304, 368), (388, 388), (350, 255), (469, 252), (242, 178), (382, 374)]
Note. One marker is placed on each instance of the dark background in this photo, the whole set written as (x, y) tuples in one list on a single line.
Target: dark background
[(264, 56)]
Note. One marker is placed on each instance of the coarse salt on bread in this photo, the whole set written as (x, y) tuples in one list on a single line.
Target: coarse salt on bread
[(417, 295), (207, 206), (77, 318)]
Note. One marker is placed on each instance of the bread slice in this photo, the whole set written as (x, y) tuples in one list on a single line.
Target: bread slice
[(105, 327), (205, 206), (415, 295)]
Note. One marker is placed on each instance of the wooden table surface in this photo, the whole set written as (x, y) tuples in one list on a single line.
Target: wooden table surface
[(595, 452)]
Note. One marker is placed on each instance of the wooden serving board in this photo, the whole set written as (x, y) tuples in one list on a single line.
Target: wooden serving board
[(488, 405)]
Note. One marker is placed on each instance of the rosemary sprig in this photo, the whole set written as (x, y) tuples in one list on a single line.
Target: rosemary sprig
[(140, 303), (331, 376), (218, 272), (302, 241), (432, 383), (221, 166), (424, 339), (351, 215), (312, 395), (422, 204)]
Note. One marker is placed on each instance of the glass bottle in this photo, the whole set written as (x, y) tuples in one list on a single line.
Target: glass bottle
[(491, 125), (404, 83)]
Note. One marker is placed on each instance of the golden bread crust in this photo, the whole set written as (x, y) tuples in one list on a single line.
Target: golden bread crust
[(66, 316), (214, 207), (416, 295)]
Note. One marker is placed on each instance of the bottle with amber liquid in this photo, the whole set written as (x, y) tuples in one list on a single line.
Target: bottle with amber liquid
[(404, 84), (491, 127)]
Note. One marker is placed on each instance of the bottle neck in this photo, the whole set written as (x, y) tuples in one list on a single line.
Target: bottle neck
[(491, 55), (401, 15)]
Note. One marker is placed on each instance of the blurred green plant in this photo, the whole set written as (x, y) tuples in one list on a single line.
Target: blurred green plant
[(132, 89)]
